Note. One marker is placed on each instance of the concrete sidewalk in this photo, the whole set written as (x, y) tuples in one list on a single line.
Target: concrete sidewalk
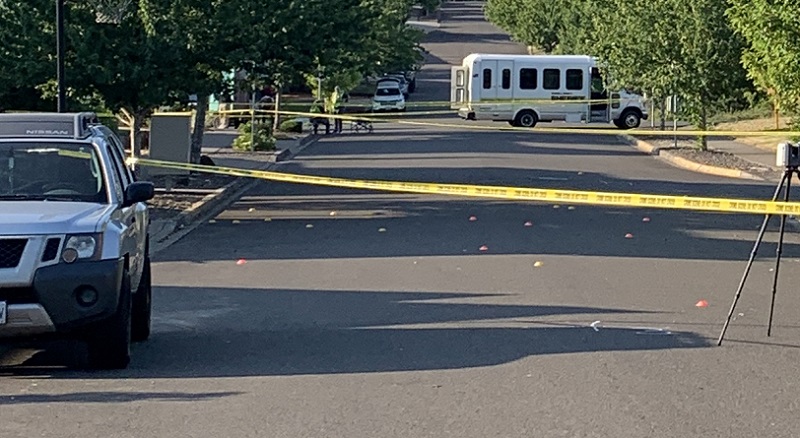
[(753, 154), (756, 155)]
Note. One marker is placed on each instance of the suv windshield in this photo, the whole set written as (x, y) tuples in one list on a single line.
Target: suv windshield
[(51, 171)]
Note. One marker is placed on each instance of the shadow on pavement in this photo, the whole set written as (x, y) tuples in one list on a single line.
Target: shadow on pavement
[(110, 397), (300, 332)]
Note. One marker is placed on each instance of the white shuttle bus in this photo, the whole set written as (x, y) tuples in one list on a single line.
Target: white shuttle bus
[(526, 89)]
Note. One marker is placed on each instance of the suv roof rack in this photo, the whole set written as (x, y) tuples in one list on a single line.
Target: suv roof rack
[(47, 125)]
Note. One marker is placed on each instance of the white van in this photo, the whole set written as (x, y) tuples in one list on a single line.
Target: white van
[(526, 89), (388, 96)]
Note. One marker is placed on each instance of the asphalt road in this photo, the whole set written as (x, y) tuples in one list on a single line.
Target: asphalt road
[(361, 314)]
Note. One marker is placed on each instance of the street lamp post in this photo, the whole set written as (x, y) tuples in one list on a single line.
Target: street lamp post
[(61, 52)]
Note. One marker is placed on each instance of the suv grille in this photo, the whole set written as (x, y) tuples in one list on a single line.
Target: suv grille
[(18, 295), (51, 249), (11, 252)]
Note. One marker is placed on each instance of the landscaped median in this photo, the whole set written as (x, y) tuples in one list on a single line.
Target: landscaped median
[(733, 157), (185, 201)]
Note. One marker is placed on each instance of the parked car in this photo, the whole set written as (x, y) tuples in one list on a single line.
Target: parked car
[(388, 97), (411, 78), (401, 80), (74, 244)]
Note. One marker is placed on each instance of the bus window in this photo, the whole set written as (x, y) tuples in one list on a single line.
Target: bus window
[(506, 79), (528, 78), (551, 79), (487, 78), (574, 79)]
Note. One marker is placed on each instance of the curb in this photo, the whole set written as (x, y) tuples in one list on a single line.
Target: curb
[(685, 163), (214, 203), (693, 166), (300, 146), (793, 222)]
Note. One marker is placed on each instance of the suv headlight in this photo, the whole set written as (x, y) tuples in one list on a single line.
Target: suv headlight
[(81, 247)]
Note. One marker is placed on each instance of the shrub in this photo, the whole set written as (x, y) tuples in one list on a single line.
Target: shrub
[(264, 141), (291, 126)]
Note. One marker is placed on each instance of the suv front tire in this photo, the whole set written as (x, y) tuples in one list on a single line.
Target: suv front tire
[(110, 341), (142, 305)]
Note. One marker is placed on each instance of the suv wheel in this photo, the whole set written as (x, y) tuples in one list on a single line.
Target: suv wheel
[(142, 305), (110, 341)]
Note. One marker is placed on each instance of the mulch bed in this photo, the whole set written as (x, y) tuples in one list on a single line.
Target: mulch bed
[(167, 205), (687, 149)]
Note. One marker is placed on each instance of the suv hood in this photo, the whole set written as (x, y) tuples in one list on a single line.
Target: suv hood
[(50, 217)]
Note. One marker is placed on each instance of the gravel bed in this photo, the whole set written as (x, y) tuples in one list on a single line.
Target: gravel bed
[(686, 149), (170, 205)]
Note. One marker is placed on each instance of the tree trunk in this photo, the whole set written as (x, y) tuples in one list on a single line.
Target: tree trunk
[(777, 114), (662, 109), (276, 121), (702, 141), (199, 128), (137, 121)]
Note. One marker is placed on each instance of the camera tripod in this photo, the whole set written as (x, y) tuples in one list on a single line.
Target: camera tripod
[(786, 180)]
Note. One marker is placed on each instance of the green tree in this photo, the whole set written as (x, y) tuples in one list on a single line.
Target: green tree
[(27, 53), (682, 47), (535, 23), (207, 37), (368, 37), (772, 58)]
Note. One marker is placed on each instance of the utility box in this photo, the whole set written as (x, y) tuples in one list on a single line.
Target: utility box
[(170, 140)]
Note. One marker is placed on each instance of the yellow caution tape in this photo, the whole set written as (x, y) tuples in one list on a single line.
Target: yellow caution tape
[(506, 193), (387, 118), (582, 131), (74, 154)]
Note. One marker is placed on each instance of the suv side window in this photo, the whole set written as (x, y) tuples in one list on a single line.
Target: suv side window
[(124, 170), (120, 155), (115, 174)]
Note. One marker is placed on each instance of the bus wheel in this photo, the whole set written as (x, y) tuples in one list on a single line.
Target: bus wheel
[(526, 119), (630, 119)]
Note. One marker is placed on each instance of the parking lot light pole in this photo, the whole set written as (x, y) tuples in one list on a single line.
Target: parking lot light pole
[(61, 52)]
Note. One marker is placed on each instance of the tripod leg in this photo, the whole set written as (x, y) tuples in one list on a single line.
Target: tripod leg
[(778, 253), (750, 261)]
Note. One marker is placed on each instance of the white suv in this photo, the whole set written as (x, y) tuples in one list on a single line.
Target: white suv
[(388, 96), (74, 253)]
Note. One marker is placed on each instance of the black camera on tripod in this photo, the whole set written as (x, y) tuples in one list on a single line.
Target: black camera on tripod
[(788, 155)]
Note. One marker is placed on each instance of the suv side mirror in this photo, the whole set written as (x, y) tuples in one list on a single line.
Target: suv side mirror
[(139, 191)]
